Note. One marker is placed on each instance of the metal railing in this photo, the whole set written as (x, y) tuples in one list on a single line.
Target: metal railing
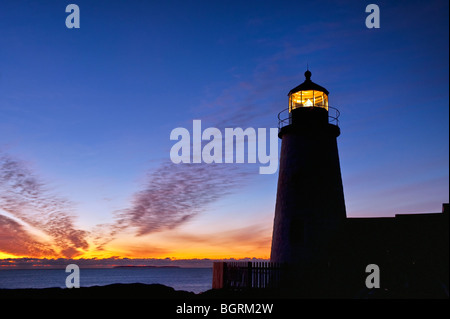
[(285, 118)]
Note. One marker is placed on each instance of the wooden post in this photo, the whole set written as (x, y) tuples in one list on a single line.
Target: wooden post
[(219, 273), (249, 274)]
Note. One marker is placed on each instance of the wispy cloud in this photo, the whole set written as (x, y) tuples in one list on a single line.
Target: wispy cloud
[(14, 239), (26, 197), (172, 195)]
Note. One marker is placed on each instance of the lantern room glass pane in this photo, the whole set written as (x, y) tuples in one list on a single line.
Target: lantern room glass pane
[(308, 98), (295, 101), (318, 99)]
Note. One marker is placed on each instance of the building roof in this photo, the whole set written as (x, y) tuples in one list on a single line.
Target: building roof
[(308, 85)]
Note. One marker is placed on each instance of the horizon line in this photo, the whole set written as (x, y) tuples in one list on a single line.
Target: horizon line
[(86, 263)]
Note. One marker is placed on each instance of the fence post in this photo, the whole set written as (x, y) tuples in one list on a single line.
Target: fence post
[(249, 274), (219, 274)]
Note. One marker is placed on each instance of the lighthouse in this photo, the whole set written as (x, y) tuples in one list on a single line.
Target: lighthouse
[(310, 206), (317, 252)]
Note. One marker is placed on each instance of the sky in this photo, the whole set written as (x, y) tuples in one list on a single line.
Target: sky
[(86, 116)]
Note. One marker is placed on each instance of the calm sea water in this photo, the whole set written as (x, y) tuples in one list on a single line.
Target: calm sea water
[(189, 279)]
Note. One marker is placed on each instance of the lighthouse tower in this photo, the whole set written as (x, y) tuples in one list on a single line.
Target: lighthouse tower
[(310, 205)]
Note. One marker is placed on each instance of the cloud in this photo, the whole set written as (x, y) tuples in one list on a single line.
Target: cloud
[(25, 196), (171, 195), (14, 239), (175, 193)]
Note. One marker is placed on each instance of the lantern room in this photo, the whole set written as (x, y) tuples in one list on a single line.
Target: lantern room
[(308, 94)]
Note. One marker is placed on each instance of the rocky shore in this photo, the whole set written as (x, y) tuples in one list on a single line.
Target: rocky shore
[(128, 291), (161, 292)]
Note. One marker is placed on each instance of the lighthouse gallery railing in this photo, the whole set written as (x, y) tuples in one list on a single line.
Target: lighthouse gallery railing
[(284, 117)]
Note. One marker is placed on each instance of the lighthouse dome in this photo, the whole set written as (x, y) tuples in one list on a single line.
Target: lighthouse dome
[(308, 85)]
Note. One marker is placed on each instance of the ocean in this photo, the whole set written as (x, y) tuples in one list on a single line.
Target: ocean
[(189, 279)]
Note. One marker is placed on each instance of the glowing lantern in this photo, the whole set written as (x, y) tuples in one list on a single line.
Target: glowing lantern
[(308, 94)]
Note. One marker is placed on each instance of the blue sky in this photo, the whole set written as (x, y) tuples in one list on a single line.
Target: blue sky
[(88, 113)]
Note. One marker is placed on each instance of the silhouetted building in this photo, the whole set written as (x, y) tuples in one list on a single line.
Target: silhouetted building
[(411, 250), (316, 250), (325, 253)]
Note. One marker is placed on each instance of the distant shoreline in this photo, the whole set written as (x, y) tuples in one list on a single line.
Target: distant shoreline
[(103, 267)]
